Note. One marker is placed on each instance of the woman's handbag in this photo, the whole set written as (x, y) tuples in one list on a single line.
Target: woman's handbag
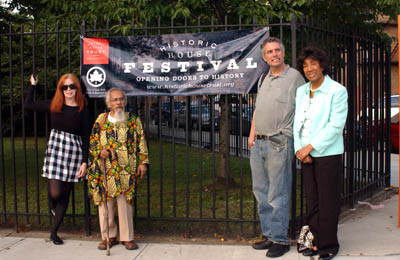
[(305, 240)]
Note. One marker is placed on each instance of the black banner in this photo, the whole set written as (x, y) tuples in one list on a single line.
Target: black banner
[(227, 62)]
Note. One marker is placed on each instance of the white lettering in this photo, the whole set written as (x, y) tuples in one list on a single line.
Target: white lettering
[(148, 67), (200, 66), (152, 78), (216, 64), (228, 76), (184, 78), (198, 43), (249, 65), (165, 67), (232, 65), (128, 67), (183, 66)]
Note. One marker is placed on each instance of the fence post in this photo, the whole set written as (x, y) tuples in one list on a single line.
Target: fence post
[(388, 90), (292, 234), (85, 182), (2, 168), (351, 88), (398, 65), (11, 95)]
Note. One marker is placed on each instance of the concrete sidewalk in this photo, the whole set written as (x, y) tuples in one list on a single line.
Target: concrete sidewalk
[(368, 234)]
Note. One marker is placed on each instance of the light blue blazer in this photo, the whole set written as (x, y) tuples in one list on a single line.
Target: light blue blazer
[(327, 120)]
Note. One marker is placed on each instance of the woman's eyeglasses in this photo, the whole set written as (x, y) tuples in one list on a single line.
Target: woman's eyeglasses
[(70, 86)]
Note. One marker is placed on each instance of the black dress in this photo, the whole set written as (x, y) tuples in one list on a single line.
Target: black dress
[(68, 145)]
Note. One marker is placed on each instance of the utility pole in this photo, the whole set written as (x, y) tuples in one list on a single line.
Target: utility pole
[(398, 65)]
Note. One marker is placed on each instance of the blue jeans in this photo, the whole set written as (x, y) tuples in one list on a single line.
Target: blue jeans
[(271, 169)]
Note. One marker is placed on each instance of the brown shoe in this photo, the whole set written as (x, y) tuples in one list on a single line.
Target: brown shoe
[(130, 245), (103, 244)]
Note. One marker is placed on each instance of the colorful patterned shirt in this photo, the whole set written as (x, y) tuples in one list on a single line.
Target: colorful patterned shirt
[(127, 144)]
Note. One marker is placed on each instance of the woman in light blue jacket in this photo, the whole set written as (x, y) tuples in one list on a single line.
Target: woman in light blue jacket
[(320, 116)]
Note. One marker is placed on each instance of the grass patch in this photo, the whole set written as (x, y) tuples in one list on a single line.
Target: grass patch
[(181, 183)]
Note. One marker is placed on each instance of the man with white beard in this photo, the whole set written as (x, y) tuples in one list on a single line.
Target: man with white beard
[(119, 149)]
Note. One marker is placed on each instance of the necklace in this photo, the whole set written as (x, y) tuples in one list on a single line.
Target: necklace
[(313, 90)]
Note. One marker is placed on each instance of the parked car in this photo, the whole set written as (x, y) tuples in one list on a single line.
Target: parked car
[(166, 115), (194, 118), (394, 133), (394, 108), (367, 137), (394, 125)]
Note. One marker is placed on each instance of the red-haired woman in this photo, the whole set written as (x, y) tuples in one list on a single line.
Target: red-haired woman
[(67, 150)]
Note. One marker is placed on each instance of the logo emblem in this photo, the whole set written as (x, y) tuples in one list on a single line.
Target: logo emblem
[(96, 77)]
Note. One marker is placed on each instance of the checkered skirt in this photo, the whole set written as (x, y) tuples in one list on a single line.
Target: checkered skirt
[(63, 156)]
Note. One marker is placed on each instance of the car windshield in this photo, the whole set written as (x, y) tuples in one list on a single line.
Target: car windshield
[(204, 110), (177, 105), (394, 100), (249, 111)]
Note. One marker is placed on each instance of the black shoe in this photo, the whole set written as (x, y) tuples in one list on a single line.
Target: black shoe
[(310, 252), (277, 250), (263, 244), (56, 239), (301, 248), (327, 257)]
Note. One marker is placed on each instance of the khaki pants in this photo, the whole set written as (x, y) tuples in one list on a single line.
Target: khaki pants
[(125, 219)]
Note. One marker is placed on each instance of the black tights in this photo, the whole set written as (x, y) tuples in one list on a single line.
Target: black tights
[(59, 192)]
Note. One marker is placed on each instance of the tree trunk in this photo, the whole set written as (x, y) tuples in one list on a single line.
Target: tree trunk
[(224, 176)]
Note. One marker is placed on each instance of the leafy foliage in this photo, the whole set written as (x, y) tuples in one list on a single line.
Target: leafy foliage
[(362, 14)]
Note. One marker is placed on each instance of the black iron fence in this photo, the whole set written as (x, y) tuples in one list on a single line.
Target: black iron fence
[(183, 185)]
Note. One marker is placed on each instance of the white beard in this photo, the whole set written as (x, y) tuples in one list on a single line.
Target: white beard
[(119, 116)]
